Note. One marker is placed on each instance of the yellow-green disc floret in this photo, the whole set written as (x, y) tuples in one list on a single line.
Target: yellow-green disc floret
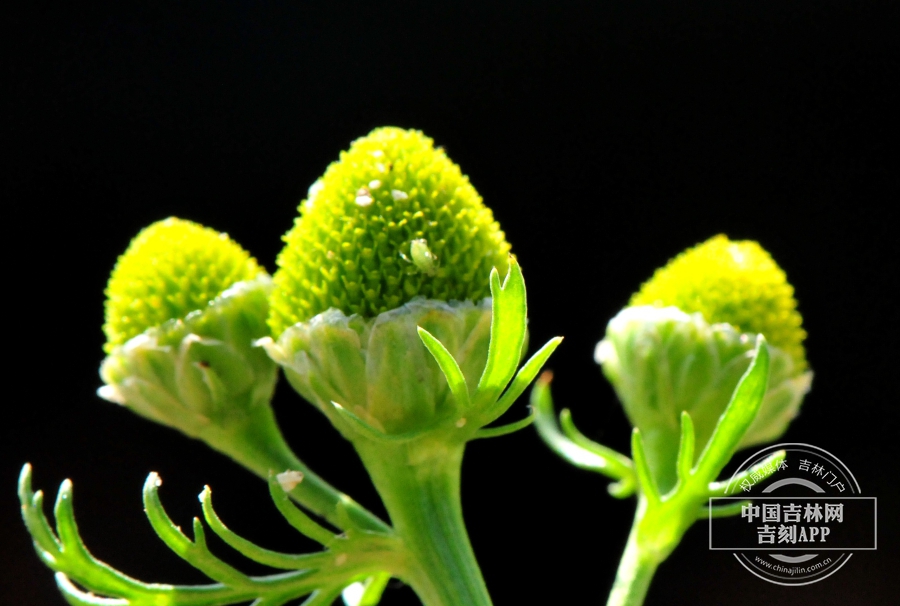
[(392, 219), (170, 269), (733, 282)]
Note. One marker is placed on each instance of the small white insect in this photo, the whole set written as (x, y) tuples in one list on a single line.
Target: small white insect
[(364, 197), (374, 184), (422, 257), (398, 195)]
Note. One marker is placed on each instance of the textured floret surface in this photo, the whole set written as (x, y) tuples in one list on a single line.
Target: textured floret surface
[(731, 282), (391, 220), (171, 268)]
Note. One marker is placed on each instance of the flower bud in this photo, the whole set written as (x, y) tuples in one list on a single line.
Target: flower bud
[(687, 338), (392, 237), (185, 306)]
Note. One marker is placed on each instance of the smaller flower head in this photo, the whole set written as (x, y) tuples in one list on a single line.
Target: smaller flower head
[(185, 308), (171, 268), (736, 283), (686, 338)]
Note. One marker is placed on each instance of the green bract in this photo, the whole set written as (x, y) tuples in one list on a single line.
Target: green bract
[(378, 369), (662, 361), (170, 269), (202, 373), (393, 219), (426, 367)]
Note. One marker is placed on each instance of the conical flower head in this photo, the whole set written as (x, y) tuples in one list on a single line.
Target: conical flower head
[(186, 306), (731, 282), (688, 336), (391, 220), (171, 268), (393, 238)]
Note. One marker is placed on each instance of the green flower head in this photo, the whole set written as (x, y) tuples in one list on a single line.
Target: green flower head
[(392, 220), (171, 268), (736, 283), (686, 339), (185, 308)]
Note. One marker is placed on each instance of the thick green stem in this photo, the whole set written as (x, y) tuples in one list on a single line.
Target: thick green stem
[(636, 569), (256, 443), (419, 482)]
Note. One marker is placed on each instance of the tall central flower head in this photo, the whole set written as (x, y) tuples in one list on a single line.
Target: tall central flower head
[(393, 219), (391, 238), (686, 338)]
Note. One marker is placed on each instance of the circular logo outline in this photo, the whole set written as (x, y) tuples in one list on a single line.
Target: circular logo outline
[(822, 572)]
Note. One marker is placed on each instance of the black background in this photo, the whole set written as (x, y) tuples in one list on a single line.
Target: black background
[(607, 136)]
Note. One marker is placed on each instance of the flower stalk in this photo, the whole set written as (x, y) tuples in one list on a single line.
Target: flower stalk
[(419, 482), (696, 386)]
